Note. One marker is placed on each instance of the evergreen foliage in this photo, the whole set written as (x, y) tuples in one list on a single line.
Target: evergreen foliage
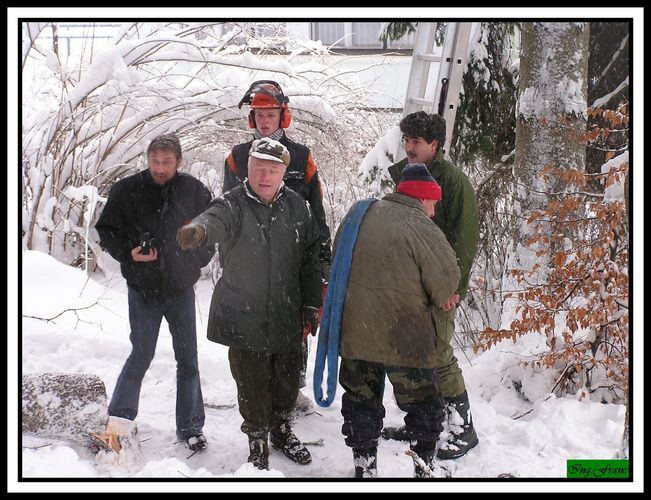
[(485, 124)]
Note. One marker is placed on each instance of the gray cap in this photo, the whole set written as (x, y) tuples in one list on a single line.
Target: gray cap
[(268, 149)]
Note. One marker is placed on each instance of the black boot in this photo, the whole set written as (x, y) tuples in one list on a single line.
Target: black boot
[(259, 453), (396, 433), (462, 436), (427, 453), (282, 438), (365, 461)]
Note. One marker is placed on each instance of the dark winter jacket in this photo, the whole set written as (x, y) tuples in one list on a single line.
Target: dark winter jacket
[(301, 176), (271, 269), (402, 269), (137, 205), (456, 214)]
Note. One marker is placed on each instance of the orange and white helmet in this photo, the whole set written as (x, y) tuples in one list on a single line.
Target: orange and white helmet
[(267, 94)]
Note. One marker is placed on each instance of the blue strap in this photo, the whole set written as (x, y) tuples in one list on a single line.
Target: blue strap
[(333, 308)]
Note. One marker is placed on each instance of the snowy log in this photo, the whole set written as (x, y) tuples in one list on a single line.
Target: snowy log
[(64, 405)]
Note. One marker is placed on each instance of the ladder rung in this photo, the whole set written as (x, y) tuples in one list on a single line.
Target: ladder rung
[(420, 102), (451, 62), (429, 57)]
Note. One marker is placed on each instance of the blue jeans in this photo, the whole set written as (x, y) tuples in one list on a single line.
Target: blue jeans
[(145, 319)]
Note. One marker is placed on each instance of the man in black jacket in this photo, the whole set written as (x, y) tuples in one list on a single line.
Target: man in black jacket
[(269, 292), (270, 116), (138, 228)]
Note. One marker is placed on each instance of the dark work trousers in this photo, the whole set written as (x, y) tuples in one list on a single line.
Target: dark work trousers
[(145, 319), (267, 386), (417, 392), (305, 353)]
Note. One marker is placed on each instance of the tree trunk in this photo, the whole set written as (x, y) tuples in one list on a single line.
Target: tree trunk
[(551, 114), (625, 436), (55, 39), (64, 405)]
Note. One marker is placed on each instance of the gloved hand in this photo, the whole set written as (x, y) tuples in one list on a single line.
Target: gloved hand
[(190, 236), (325, 271), (310, 320)]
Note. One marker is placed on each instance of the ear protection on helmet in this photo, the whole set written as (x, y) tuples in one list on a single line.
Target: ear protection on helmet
[(267, 94), (285, 117)]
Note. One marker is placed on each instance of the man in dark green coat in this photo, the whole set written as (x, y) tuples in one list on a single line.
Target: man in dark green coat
[(270, 116), (270, 288), (423, 135)]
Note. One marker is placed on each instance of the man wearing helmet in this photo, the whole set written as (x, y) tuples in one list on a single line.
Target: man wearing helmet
[(269, 117)]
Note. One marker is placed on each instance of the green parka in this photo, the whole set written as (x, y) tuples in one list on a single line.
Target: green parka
[(456, 214), (402, 268), (270, 260)]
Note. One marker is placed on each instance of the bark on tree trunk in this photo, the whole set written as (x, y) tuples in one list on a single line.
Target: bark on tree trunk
[(64, 405), (625, 436), (551, 114)]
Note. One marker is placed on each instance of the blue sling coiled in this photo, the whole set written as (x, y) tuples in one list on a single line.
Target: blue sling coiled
[(333, 308)]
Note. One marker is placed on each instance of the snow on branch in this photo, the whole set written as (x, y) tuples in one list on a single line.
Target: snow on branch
[(604, 100), (87, 120), (31, 31)]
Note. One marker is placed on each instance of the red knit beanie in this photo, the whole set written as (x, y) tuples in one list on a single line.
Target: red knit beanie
[(418, 183)]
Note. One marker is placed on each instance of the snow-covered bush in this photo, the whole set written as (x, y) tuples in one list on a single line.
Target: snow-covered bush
[(86, 122)]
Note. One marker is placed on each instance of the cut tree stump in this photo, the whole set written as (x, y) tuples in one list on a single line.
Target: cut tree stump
[(65, 406)]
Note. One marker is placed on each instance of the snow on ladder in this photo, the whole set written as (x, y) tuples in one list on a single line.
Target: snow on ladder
[(440, 95)]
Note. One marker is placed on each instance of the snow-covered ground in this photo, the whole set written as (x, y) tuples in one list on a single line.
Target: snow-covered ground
[(530, 439), (526, 439)]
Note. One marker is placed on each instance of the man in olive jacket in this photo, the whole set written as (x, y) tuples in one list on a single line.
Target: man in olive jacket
[(402, 270), (424, 135), (270, 288)]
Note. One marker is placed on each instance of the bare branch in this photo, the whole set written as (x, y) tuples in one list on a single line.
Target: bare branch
[(62, 312)]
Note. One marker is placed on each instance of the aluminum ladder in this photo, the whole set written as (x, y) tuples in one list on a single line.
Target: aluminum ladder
[(441, 94)]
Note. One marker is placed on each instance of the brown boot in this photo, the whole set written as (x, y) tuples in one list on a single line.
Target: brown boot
[(283, 439), (258, 453)]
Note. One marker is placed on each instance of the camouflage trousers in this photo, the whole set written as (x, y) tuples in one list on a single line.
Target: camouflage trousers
[(267, 386), (416, 391), (452, 384)]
